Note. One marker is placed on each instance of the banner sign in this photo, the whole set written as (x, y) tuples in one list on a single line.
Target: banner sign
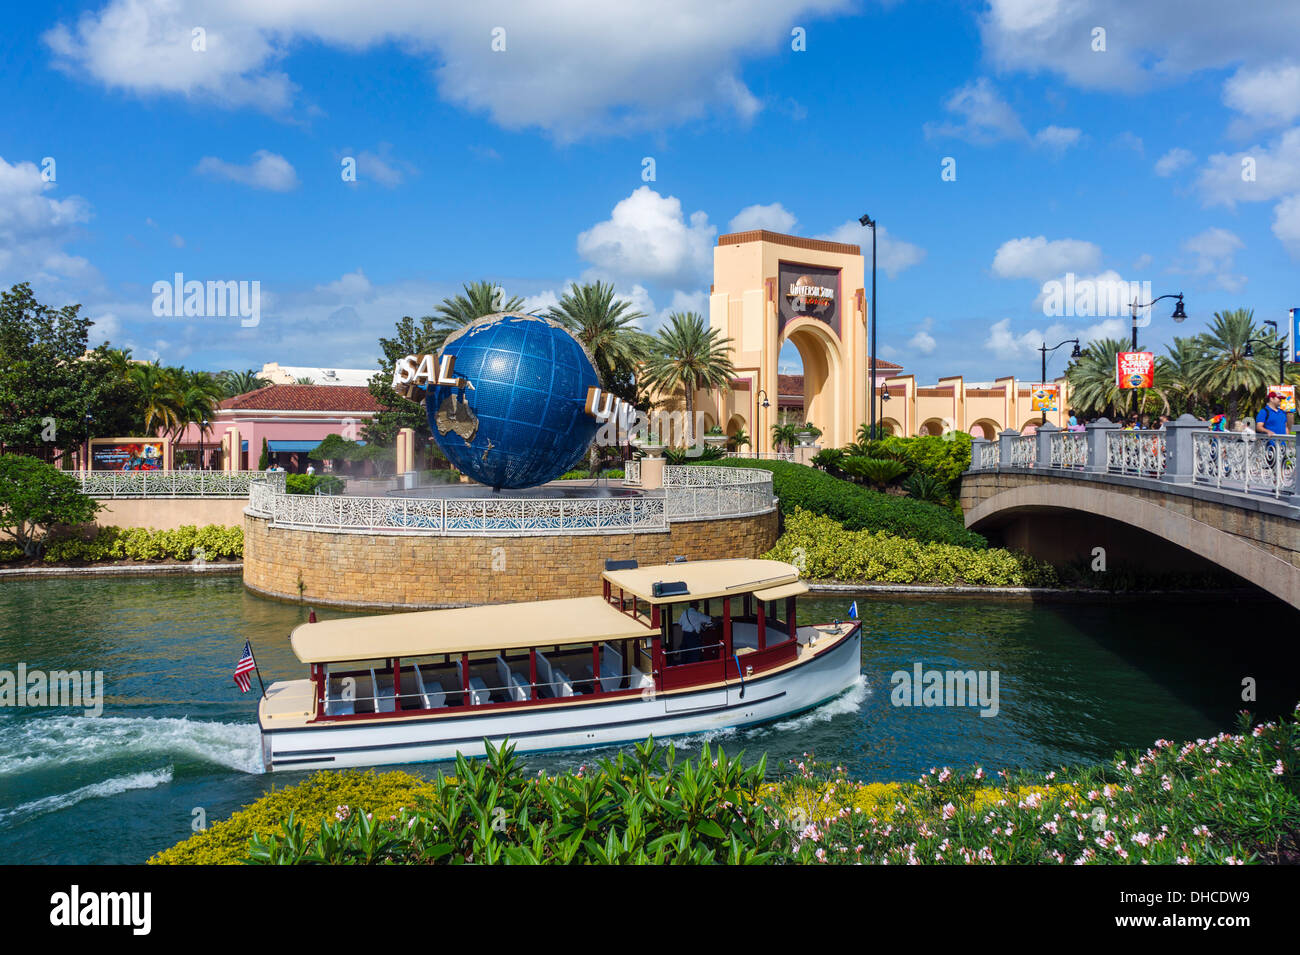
[(1045, 397), (1135, 369), (806, 291), (135, 456), (1288, 396)]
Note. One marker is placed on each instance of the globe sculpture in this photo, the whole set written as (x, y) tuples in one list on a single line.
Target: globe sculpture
[(516, 416)]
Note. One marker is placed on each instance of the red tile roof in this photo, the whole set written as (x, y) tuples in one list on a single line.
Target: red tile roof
[(351, 398)]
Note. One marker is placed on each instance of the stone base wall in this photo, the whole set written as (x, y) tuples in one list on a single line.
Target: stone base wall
[(382, 571)]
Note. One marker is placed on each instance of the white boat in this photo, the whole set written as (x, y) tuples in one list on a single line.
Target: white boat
[(665, 650)]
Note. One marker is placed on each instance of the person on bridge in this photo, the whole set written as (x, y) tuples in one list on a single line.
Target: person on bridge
[(1271, 418)]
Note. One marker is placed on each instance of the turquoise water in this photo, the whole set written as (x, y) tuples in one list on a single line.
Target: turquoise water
[(1077, 681)]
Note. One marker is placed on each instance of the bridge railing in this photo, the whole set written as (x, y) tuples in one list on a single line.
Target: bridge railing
[(1183, 452), (1245, 462), (234, 484)]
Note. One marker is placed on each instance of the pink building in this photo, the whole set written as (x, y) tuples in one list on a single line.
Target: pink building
[(292, 418)]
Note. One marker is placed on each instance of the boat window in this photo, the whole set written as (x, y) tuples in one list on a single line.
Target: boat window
[(690, 634)]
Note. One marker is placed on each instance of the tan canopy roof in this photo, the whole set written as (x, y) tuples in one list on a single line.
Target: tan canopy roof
[(783, 591), (704, 578), (464, 630)]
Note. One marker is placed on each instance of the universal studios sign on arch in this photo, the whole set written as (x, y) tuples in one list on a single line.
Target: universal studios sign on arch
[(619, 422)]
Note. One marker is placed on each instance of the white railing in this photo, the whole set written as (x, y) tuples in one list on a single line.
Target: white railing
[(988, 457), (1244, 462), (176, 483), (632, 471), (761, 455), (1069, 449), (1024, 451), (1136, 452), (690, 493)]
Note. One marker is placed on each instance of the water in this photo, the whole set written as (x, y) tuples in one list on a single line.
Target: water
[(1077, 681)]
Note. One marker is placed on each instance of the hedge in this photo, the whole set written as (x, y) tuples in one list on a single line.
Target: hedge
[(824, 550), (308, 483), (213, 542), (859, 508)]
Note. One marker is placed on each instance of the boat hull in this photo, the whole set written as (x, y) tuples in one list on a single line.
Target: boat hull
[(581, 725)]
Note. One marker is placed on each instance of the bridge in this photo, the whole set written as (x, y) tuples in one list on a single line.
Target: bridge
[(1167, 500)]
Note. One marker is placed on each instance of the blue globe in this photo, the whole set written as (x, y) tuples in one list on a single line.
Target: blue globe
[(520, 420)]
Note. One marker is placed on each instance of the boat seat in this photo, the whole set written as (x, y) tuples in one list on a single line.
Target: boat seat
[(515, 686), (563, 685), (431, 692), (611, 668), (478, 691), (337, 705), (385, 700)]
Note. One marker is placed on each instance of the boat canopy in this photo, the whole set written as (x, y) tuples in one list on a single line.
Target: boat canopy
[(514, 626), (708, 578), (796, 589)]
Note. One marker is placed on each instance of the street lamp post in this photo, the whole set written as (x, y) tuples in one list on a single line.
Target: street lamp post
[(1178, 316), (1281, 352), (870, 223), (1281, 355), (758, 425), (203, 426), (1043, 353)]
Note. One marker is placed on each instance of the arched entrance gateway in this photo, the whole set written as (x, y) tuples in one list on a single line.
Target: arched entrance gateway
[(770, 288)]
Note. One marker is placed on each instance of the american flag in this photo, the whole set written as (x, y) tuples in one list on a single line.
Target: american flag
[(245, 666)]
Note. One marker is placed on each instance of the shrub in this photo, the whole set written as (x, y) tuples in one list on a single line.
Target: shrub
[(688, 456), (212, 542), (924, 487), (1230, 799), (309, 483), (859, 508), (878, 472), (36, 497), (827, 551), (943, 458), (320, 795)]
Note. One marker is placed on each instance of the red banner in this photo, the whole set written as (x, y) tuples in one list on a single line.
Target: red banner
[(1135, 369)]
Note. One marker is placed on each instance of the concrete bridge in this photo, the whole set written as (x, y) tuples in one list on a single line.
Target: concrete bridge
[(1167, 500)]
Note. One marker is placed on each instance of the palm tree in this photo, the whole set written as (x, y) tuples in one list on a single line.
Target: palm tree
[(1186, 356), (240, 382), (1226, 372), (738, 440), (1094, 390), (687, 354), (304, 380), (161, 392), (200, 394), (784, 435), (607, 328), (480, 298)]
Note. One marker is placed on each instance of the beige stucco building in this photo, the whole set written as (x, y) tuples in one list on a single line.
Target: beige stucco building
[(770, 288)]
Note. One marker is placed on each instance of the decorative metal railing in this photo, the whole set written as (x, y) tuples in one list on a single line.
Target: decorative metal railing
[(1136, 452), (176, 483), (690, 493), (987, 458), (1069, 449), (632, 471), (1244, 462), (761, 455), (1024, 451)]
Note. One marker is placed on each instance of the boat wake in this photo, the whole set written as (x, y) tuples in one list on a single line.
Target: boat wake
[(109, 787), (57, 741), (850, 701)]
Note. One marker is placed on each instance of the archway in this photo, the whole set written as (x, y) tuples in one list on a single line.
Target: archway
[(1031, 426), (890, 426), (932, 426), (986, 428), (822, 377), (737, 425)]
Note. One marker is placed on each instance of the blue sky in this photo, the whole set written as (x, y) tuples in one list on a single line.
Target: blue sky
[(525, 165)]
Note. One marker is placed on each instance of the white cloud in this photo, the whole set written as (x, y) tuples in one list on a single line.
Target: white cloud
[(1174, 160), (1222, 181), (1010, 346), (1038, 257), (1266, 96), (382, 168), (1142, 262), (923, 341), (34, 228), (1057, 138), (1145, 43), (267, 170), (1286, 224), (647, 238), (570, 69), (1130, 140), (349, 287), (1213, 252), (774, 218), (892, 255), (984, 116)]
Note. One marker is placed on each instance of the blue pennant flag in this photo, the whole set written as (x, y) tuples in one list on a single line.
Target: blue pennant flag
[(853, 611)]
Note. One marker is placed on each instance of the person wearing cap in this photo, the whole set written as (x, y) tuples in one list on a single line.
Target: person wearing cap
[(1271, 418)]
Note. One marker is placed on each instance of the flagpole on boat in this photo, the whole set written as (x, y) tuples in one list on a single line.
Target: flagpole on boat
[(257, 669)]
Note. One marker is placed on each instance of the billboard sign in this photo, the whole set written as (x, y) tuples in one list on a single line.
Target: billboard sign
[(1135, 369), (1045, 397), (807, 291), (127, 456)]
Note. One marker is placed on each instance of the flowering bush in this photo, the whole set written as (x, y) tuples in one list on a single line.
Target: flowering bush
[(826, 550), (1231, 799)]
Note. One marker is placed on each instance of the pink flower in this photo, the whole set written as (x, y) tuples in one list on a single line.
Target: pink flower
[(949, 810), (1277, 769)]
